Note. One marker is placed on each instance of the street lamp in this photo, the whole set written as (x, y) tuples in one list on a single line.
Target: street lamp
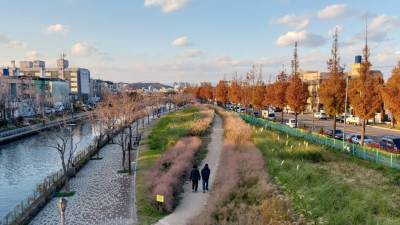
[(62, 205), (345, 106)]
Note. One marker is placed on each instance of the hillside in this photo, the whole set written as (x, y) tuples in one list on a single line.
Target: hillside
[(146, 85)]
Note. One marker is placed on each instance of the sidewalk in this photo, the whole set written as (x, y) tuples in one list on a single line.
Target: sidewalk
[(193, 203), (102, 195)]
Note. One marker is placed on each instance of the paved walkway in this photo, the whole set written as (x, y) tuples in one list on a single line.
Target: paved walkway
[(102, 195), (193, 203)]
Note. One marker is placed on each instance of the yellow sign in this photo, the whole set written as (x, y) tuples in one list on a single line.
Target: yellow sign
[(160, 198)]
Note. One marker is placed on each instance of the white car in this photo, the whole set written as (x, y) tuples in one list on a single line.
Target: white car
[(47, 111), (291, 123), (357, 139), (320, 115)]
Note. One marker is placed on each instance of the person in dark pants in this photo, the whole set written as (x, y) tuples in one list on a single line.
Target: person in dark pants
[(205, 174), (195, 177)]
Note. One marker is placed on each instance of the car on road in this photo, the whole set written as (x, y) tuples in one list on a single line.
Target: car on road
[(338, 134), (291, 123), (354, 120), (348, 137), (290, 112), (339, 118), (392, 142), (320, 115), (255, 114), (357, 139), (47, 111)]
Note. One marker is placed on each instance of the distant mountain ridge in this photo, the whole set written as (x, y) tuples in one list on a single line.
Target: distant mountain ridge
[(146, 85)]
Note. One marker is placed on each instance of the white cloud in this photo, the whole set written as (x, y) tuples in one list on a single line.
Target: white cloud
[(391, 23), (303, 38), (334, 11), (167, 5), (31, 55), (104, 57), (373, 36), (17, 44), (192, 53), (297, 22), (57, 28), (339, 29), (142, 66), (82, 49), (4, 39), (182, 41)]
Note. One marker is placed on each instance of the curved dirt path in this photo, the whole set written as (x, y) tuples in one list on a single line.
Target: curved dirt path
[(193, 203)]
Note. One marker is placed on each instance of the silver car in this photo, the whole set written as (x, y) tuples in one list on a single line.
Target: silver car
[(357, 139)]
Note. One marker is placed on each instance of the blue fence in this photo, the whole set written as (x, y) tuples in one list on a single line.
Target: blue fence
[(367, 153)]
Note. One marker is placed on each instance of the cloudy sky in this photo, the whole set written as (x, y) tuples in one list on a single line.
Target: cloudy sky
[(194, 40)]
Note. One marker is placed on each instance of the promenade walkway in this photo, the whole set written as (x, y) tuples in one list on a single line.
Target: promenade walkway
[(102, 195), (194, 203)]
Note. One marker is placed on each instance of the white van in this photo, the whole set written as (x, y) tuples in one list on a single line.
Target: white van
[(268, 114)]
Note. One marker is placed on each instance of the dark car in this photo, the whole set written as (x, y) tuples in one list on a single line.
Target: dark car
[(392, 142), (255, 114), (338, 133)]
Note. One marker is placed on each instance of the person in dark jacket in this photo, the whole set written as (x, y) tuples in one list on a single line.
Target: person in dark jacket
[(205, 174), (195, 177)]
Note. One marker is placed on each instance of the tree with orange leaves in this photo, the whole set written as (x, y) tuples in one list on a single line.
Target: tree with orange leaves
[(279, 95), (391, 93), (206, 92), (221, 91), (331, 91), (258, 95), (234, 93), (297, 91), (365, 92)]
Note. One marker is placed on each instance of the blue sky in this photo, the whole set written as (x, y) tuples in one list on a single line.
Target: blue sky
[(194, 40)]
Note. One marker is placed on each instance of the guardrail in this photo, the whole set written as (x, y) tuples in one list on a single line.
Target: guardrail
[(367, 153)]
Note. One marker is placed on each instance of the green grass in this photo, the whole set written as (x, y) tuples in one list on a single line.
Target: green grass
[(63, 194), (323, 182), (95, 158), (123, 171), (160, 136)]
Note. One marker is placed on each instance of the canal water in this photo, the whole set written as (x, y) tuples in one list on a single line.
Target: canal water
[(26, 162)]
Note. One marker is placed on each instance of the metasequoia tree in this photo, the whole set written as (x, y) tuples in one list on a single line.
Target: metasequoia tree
[(269, 94), (279, 94), (234, 93), (258, 93), (221, 91), (391, 93), (297, 91), (206, 92), (331, 91), (364, 92), (246, 88)]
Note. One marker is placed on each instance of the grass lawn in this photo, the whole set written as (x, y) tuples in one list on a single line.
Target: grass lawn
[(329, 186), (160, 136)]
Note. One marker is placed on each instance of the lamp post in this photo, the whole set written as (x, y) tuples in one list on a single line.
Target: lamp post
[(345, 106), (62, 205)]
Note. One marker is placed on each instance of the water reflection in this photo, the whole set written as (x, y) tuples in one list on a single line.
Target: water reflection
[(26, 162)]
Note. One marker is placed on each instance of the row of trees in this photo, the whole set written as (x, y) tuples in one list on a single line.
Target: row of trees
[(365, 93)]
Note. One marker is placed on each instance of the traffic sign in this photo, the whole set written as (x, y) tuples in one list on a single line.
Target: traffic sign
[(160, 198)]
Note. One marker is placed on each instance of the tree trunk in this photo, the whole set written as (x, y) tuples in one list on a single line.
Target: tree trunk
[(295, 119), (362, 132), (67, 190), (281, 116), (334, 127), (393, 123)]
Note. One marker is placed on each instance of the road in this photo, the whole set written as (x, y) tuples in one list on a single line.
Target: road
[(373, 132)]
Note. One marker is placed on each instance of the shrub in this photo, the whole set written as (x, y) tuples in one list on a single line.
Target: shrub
[(20, 119), (3, 123), (166, 174), (201, 124), (274, 120), (304, 126), (321, 131)]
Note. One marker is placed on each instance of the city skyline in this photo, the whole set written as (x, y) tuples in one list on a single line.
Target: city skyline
[(183, 40)]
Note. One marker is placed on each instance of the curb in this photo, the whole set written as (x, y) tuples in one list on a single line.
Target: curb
[(382, 128)]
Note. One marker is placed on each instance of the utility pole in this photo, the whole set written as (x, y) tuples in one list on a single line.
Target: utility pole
[(345, 107)]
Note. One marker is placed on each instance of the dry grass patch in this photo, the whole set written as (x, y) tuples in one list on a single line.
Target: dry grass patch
[(204, 121)]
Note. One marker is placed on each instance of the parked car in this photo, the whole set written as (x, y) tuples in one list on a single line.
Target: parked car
[(285, 110), (277, 109), (392, 142), (349, 137), (320, 115), (255, 114), (357, 139), (338, 134), (339, 118), (47, 111), (290, 112), (291, 123), (242, 110), (354, 120)]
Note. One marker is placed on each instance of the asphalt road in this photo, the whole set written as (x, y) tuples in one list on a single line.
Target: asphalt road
[(373, 132)]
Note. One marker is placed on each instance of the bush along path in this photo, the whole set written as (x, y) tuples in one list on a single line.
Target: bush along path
[(161, 151), (193, 203)]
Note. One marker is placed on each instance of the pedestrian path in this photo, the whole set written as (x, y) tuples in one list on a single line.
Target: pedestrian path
[(102, 195), (193, 203)]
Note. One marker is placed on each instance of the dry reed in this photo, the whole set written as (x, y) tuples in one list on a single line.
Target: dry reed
[(200, 125), (166, 174)]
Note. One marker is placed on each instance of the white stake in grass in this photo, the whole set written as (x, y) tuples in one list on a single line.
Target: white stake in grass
[(282, 162), (297, 166)]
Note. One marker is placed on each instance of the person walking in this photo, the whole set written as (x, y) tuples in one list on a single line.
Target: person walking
[(205, 174), (195, 177)]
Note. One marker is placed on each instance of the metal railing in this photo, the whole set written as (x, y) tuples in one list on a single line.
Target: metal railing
[(367, 153)]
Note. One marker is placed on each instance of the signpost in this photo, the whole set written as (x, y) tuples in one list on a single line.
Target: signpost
[(160, 200)]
